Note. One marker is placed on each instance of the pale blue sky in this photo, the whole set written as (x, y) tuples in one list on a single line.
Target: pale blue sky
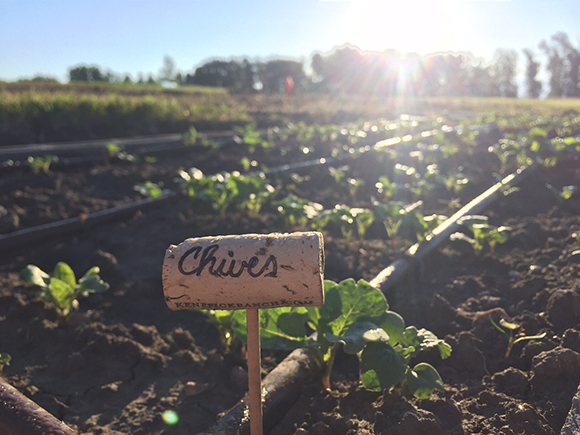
[(131, 36)]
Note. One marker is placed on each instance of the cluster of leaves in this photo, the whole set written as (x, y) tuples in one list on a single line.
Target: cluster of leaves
[(150, 189), (38, 164), (484, 234), (62, 290), (190, 136), (246, 192), (251, 137), (346, 218), (355, 317), (395, 216), (4, 361), (297, 212)]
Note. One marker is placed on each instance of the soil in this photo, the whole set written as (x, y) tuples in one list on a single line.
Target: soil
[(115, 365)]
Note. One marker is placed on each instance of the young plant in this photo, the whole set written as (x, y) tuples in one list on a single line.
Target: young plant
[(252, 192), (247, 193), (149, 189), (346, 218), (391, 215), (189, 137), (484, 234), (251, 137), (356, 317), (386, 188), (62, 290), (4, 361), (297, 212), (38, 164), (508, 329)]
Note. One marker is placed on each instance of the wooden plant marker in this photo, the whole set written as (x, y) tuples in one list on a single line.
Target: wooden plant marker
[(246, 272)]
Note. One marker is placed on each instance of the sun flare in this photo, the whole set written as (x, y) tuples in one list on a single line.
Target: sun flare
[(422, 26)]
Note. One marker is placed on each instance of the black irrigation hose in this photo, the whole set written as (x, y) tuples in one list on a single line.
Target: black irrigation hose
[(68, 226), (233, 422), (21, 416), (416, 253)]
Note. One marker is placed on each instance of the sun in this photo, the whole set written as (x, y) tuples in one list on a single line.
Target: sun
[(421, 26)]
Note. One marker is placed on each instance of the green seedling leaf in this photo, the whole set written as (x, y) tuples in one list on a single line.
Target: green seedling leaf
[(423, 379), (62, 295), (508, 325), (63, 272), (358, 336), (91, 282), (393, 324), (34, 275), (422, 339), (381, 366), (280, 328), (348, 301)]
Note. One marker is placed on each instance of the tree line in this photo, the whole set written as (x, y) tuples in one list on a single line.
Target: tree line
[(389, 73)]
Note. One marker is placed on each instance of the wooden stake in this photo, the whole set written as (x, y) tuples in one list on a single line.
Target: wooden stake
[(254, 371)]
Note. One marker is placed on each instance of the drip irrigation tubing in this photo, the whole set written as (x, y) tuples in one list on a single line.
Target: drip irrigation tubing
[(88, 147), (41, 233), (21, 416), (283, 386), (47, 231)]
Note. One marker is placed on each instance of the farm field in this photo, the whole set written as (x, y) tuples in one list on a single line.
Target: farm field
[(374, 186)]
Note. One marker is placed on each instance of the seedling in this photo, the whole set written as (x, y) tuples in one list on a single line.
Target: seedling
[(387, 189), (251, 137), (62, 290), (247, 193), (355, 316), (297, 212), (509, 330), (346, 218), (189, 137), (38, 164), (149, 189), (4, 361), (484, 234)]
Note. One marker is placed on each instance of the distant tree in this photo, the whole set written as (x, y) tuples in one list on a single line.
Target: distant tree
[(232, 74), (273, 75), (151, 80), (563, 65), (533, 85), (83, 73), (571, 57), (503, 72), (127, 79), (168, 71), (140, 79)]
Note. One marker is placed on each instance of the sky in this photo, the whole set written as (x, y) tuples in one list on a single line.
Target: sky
[(47, 37)]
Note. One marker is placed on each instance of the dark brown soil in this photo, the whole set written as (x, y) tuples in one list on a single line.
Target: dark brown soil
[(123, 359)]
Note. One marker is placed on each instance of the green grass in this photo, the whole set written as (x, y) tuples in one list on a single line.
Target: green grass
[(50, 112)]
